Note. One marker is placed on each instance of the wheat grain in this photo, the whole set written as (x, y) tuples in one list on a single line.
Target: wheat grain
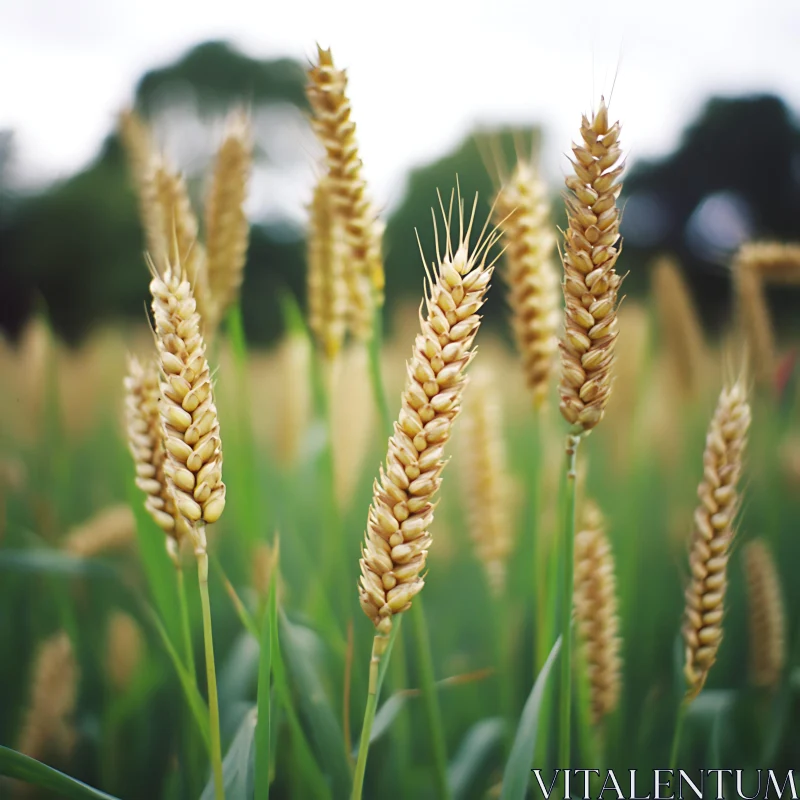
[(110, 529), (397, 536), (767, 616), (193, 464), (48, 726), (362, 231), (486, 479), (227, 228), (774, 262), (713, 534), (124, 650), (523, 214), (592, 246), (327, 290), (680, 327), (595, 601)]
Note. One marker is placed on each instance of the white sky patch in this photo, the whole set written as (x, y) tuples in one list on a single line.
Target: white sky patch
[(422, 73)]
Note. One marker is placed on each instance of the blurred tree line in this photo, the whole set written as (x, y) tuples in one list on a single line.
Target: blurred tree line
[(75, 248)]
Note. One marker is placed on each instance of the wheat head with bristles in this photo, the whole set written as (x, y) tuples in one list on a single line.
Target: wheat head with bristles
[(774, 262), (486, 480), (591, 248), (124, 650), (680, 326), (146, 444), (713, 533), (227, 229), (48, 727), (327, 290), (110, 529), (397, 536), (767, 615), (595, 602), (193, 463), (753, 317), (362, 231), (523, 213)]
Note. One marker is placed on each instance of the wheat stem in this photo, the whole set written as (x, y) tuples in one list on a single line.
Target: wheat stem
[(568, 568), (211, 676), (187, 630), (432, 710)]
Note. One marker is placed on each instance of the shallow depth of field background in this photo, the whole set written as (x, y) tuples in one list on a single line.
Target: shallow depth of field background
[(709, 106)]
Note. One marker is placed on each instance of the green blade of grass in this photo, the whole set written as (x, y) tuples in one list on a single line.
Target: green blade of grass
[(16, 765), (469, 763), (518, 767), (263, 727), (238, 765)]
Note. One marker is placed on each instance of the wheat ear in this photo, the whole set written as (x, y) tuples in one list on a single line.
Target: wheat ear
[(110, 529), (327, 290), (227, 228), (48, 726), (767, 615), (680, 326), (124, 650), (774, 262), (523, 213), (713, 534), (362, 231), (193, 462), (397, 537), (595, 602), (591, 248), (486, 478)]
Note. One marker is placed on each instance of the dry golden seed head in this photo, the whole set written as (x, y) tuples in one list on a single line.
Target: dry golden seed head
[(193, 464), (227, 228), (753, 318), (124, 650), (327, 289), (294, 401), (397, 536), (48, 728), (592, 245), (713, 534), (595, 600), (486, 480), (353, 209), (523, 213), (680, 326), (110, 529), (767, 615), (774, 262)]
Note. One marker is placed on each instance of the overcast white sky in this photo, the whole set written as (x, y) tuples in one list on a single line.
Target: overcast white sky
[(436, 68)]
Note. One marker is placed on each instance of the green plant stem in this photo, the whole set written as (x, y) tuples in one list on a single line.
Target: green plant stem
[(187, 630), (431, 698), (211, 674), (568, 568), (380, 651), (676, 739)]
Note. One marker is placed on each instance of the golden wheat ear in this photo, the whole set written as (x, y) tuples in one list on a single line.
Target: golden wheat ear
[(397, 537), (774, 262), (352, 206), (713, 534), (595, 601), (767, 615), (591, 248), (110, 529), (523, 213), (227, 229)]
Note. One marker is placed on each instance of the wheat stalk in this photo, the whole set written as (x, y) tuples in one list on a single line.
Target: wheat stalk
[(767, 615), (48, 727), (362, 231), (486, 479), (713, 534), (523, 214), (397, 537), (110, 529), (592, 245), (227, 229), (327, 290), (595, 602), (680, 326), (774, 262)]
